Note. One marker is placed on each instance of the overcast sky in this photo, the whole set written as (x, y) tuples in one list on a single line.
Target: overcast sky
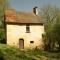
[(27, 5)]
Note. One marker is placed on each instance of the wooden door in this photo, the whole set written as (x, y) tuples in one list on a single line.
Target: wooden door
[(21, 43)]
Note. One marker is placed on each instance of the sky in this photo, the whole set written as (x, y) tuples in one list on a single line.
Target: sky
[(28, 5)]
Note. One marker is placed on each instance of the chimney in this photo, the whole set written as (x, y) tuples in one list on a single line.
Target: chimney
[(35, 10)]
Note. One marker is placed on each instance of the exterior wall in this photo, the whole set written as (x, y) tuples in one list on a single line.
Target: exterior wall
[(15, 32)]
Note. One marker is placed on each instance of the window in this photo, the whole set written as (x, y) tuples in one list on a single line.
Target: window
[(31, 41), (27, 29)]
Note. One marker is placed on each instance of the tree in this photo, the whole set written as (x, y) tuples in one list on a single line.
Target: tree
[(3, 5), (49, 14), (57, 31)]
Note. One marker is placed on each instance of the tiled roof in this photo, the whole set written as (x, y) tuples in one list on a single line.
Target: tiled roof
[(21, 17)]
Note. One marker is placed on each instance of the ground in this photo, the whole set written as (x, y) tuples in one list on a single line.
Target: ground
[(13, 53)]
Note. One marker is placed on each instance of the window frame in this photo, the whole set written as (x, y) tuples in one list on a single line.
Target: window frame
[(27, 28), (31, 42)]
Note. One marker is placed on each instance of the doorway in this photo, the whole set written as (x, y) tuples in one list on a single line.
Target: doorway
[(21, 43)]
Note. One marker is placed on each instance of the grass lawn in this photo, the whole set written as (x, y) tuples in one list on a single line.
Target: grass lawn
[(12, 53)]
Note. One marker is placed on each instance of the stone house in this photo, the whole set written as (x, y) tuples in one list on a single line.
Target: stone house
[(24, 29)]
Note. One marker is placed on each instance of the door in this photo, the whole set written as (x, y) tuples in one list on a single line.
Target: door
[(21, 43)]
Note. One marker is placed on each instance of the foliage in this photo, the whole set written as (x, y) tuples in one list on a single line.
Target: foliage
[(56, 31), (3, 5), (13, 53), (49, 14)]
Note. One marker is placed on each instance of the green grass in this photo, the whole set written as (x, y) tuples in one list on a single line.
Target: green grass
[(12, 53)]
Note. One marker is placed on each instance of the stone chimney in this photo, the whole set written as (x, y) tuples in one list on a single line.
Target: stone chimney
[(35, 11)]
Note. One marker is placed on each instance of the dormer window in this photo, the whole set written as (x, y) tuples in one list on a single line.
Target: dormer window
[(27, 29)]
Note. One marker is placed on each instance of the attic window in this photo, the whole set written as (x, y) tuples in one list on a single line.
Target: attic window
[(27, 29)]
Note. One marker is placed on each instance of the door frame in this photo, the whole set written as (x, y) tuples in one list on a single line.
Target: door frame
[(22, 43)]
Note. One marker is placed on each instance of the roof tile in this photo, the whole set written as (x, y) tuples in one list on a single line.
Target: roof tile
[(21, 17)]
